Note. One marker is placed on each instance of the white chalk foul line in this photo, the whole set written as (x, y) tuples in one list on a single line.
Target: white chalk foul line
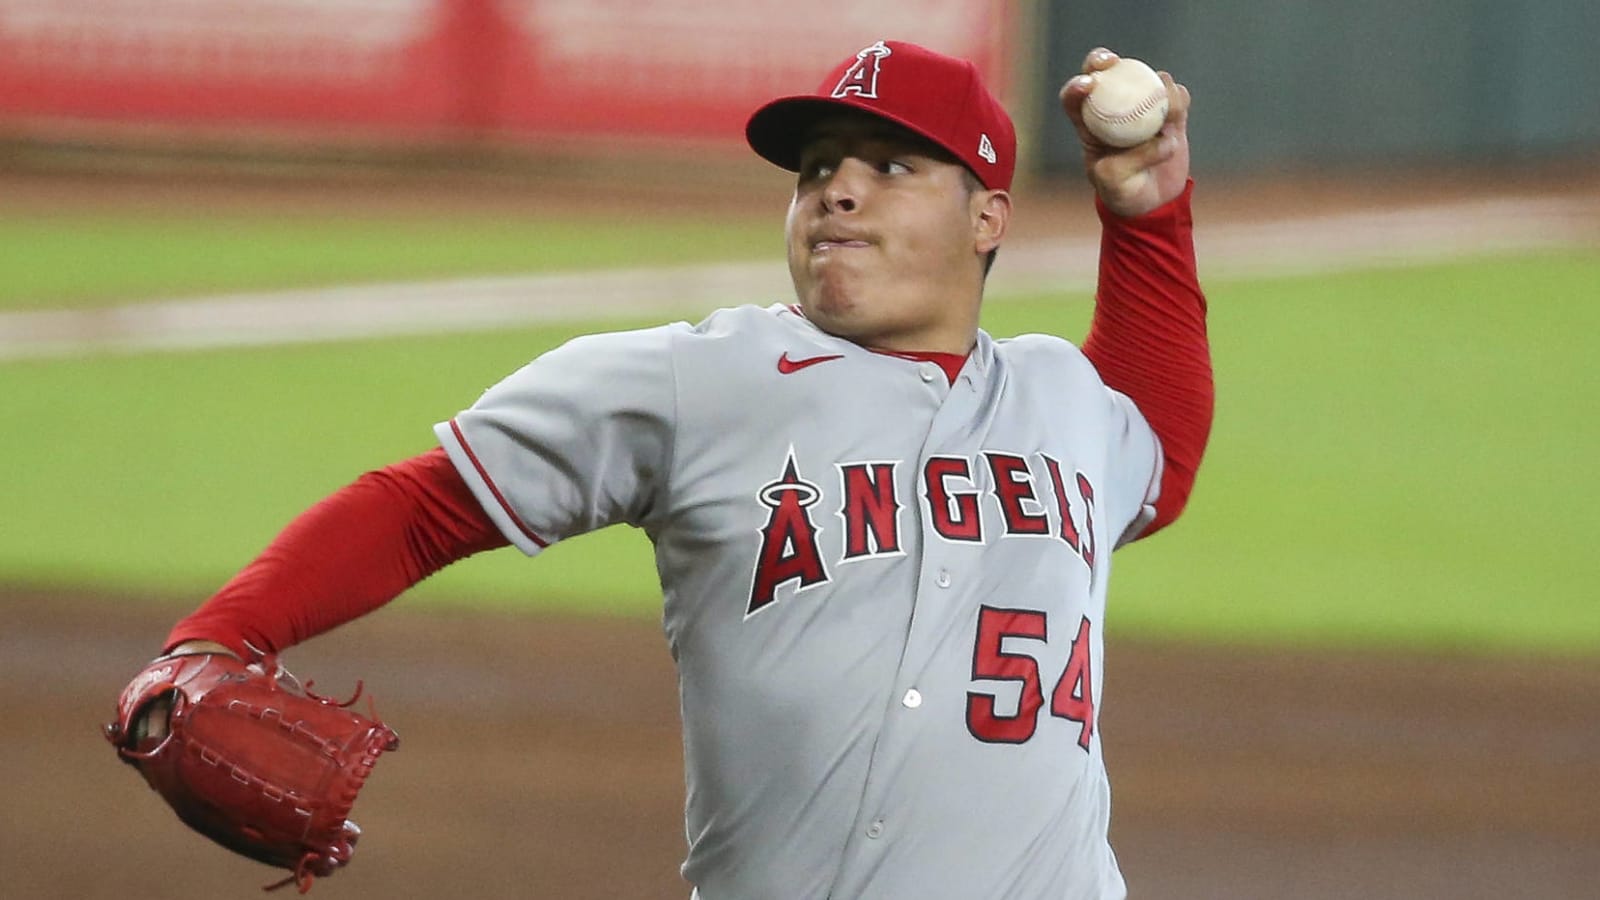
[(1298, 245)]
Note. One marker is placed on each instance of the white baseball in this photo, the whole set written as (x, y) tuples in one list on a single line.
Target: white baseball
[(1127, 104)]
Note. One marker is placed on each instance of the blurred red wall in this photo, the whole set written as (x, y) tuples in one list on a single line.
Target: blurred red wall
[(399, 70)]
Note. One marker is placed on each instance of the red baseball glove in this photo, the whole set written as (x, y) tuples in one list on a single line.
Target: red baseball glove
[(251, 759)]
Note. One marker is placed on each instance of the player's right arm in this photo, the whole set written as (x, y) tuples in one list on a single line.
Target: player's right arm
[(354, 551), (573, 441)]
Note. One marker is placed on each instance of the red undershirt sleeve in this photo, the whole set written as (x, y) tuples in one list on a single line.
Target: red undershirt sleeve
[(354, 551), (1148, 338)]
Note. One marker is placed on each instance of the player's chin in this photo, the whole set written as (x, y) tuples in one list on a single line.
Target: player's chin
[(834, 307)]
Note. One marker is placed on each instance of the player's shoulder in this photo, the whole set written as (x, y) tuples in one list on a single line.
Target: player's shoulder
[(733, 326), (749, 319), (737, 334), (1031, 351), (630, 339), (1035, 343)]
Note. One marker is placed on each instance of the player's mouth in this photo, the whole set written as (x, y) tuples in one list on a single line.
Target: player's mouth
[(825, 245)]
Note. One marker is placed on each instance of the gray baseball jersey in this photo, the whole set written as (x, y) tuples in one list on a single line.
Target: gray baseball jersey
[(884, 593)]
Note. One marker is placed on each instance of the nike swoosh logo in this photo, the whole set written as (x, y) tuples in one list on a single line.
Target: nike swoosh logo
[(789, 366)]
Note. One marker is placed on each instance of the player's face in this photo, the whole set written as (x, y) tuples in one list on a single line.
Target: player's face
[(887, 235)]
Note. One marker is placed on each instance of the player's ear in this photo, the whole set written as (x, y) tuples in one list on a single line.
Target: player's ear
[(991, 213)]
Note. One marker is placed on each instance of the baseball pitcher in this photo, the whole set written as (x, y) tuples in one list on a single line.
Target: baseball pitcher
[(884, 537)]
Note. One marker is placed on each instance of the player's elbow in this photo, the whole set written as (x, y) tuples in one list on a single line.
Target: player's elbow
[(1177, 482)]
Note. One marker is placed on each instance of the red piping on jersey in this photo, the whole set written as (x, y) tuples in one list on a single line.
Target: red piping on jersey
[(489, 483)]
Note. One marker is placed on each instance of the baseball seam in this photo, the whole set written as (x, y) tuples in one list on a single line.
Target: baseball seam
[(1145, 105)]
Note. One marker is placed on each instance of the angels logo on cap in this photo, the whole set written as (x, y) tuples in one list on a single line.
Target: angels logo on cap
[(939, 97), (861, 79)]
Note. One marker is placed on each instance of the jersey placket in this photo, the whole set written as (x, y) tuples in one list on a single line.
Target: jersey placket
[(956, 430)]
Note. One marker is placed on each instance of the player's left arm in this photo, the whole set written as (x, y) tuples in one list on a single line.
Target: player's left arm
[(1148, 336)]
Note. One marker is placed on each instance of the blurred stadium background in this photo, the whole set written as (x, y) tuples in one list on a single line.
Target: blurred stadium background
[(243, 244), (1297, 87)]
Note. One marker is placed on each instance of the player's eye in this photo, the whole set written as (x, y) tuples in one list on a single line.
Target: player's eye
[(816, 169), (894, 167)]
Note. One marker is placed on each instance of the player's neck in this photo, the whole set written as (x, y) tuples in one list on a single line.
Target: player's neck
[(953, 338)]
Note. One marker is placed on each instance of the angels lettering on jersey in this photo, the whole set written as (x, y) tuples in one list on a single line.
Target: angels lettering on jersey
[(1034, 495)]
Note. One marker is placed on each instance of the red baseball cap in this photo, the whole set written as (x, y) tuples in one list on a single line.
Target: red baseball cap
[(939, 97)]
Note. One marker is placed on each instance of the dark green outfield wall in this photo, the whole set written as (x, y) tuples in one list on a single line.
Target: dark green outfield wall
[(1295, 85)]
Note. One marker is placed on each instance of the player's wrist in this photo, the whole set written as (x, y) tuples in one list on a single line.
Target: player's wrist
[(195, 647), (1165, 212)]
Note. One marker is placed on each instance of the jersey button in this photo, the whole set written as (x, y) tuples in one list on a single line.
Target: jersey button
[(912, 699), (943, 578), (928, 373), (875, 830)]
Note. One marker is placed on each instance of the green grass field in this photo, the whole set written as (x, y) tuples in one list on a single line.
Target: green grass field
[(1397, 459), (71, 260)]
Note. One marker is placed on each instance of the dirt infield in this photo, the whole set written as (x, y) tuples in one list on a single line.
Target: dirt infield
[(541, 758)]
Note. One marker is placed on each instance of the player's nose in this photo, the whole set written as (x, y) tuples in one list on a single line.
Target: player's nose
[(846, 186), (840, 198)]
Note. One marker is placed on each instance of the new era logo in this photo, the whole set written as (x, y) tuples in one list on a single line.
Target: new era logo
[(986, 150)]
